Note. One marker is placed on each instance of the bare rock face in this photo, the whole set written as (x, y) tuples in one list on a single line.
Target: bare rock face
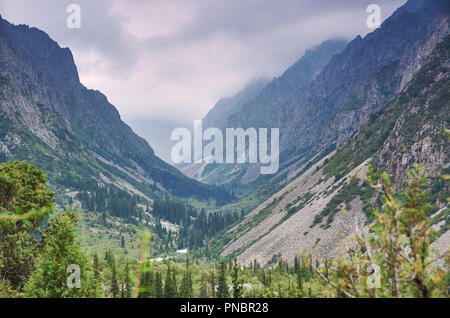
[(49, 118), (324, 112), (417, 136), (254, 96), (408, 130)]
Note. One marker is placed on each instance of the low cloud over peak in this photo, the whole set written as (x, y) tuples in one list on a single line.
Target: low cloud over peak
[(176, 58)]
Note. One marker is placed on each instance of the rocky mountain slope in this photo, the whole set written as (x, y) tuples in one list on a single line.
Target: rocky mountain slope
[(355, 83), (216, 118), (322, 205), (318, 117), (275, 92), (227, 106), (71, 132)]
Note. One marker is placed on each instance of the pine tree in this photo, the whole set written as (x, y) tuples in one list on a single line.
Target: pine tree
[(62, 251), (109, 257), (237, 282), (174, 282), (222, 286), (96, 270), (186, 283), (213, 285), (296, 264), (22, 188), (96, 267), (170, 284), (128, 286), (298, 274), (158, 285), (146, 285), (114, 284)]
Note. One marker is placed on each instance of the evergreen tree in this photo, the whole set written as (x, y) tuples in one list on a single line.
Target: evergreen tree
[(96, 270), (213, 284), (222, 286), (174, 282), (298, 274), (114, 283), (128, 285), (147, 284), (61, 249), (158, 285), (186, 283), (237, 282), (109, 257), (96, 267), (170, 284), (23, 192), (299, 278)]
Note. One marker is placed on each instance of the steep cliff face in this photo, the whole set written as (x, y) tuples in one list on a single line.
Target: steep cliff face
[(423, 112), (357, 82), (267, 97), (49, 118), (386, 62), (321, 206)]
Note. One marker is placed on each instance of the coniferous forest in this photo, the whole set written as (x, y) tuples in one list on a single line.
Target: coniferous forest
[(38, 245)]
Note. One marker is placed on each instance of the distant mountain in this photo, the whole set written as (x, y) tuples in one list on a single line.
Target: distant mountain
[(73, 133), (363, 78), (314, 119), (227, 106), (320, 207), (257, 97)]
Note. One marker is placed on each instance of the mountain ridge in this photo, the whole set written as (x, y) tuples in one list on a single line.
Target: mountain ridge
[(355, 83), (319, 208), (42, 97), (302, 72)]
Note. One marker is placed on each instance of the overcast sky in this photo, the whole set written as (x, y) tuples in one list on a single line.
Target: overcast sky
[(175, 58)]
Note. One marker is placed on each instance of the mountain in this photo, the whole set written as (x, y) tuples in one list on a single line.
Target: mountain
[(277, 91), (355, 83), (318, 209), (71, 132), (216, 118), (318, 117), (227, 106)]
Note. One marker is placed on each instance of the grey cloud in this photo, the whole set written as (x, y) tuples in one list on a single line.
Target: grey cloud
[(245, 18), (101, 29), (221, 45)]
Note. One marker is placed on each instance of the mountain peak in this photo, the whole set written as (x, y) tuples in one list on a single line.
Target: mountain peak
[(79, 133)]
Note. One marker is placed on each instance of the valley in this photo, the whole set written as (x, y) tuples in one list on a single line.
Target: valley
[(351, 173)]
